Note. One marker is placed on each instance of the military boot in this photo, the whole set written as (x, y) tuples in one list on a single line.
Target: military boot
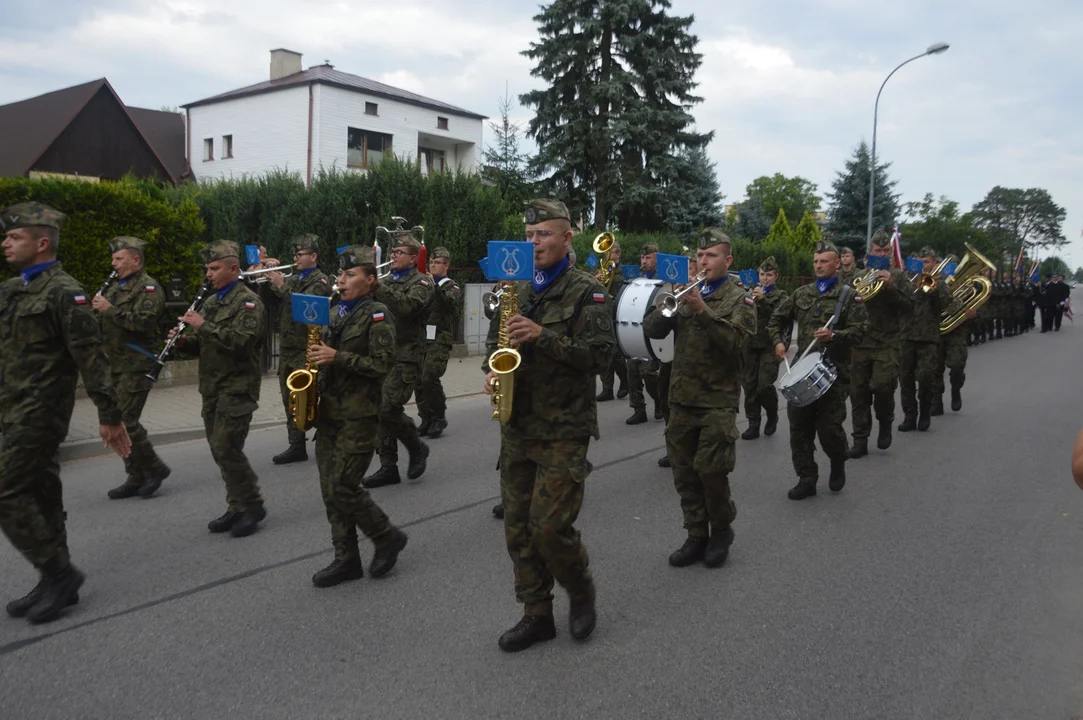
[(19, 608), (529, 630), (837, 480), (860, 448), (663, 462), (802, 490), (340, 570), (387, 553), (249, 522), (225, 522), (419, 457), (582, 616), (61, 590), (883, 439), (923, 415), (383, 476), (691, 552), (498, 511), (956, 398), (439, 425), (752, 431), (605, 395), (151, 484), (622, 390), (910, 422), (639, 416), (772, 423), (294, 453), (424, 428), (659, 414), (937, 406), (718, 547), (122, 492)]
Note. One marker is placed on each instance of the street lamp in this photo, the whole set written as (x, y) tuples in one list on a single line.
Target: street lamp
[(934, 49)]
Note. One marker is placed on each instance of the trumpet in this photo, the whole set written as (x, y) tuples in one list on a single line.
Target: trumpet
[(260, 274), (926, 282), (670, 301), (491, 300)]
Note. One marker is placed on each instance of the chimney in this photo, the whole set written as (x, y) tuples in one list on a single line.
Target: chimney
[(284, 62)]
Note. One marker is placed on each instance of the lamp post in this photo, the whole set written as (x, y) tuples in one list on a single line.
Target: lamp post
[(934, 49)]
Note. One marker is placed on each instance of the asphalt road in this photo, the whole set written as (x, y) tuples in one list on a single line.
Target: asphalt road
[(945, 581)]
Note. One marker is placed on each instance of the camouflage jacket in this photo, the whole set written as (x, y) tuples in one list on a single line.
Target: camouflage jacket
[(229, 344), (811, 311), (293, 336), (364, 339), (615, 281), (48, 337), (137, 309), (847, 276), (922, 323), (447, 308), (708, 347), (765, 306), (886, 311), (554, 385), (409, 301)]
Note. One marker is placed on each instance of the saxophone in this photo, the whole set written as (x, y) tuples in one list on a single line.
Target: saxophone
[(302, 385), (505, 360)]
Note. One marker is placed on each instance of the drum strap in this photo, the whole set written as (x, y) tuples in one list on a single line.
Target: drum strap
[(843, 294)]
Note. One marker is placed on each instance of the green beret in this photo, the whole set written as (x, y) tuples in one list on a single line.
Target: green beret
[(32, 214), (880, 238), (221, 249), (308, 241), (542, 209), (648, 249), (440, 252), (405, 239), (356, 256), (127, 243), (927, 252), (826, 246), (712, 236), (769, 264)]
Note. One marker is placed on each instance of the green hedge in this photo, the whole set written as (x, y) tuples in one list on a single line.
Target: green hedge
[(99, 212)]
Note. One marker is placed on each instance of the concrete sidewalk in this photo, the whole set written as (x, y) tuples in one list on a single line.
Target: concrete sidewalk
[(172, 414)]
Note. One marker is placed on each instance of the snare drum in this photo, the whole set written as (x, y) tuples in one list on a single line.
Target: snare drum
[(808, 380), (634, 299)]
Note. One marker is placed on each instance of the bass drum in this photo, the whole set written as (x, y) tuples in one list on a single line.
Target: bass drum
[(634, 299)]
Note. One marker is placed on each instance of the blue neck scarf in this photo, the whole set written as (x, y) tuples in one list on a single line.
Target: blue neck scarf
[(768, 289), (221, 294), (650, 275), (34, 270), (400, 274), (544, 277), (124, 280), (305, 273), (825, 285), (345, 306), (709, 288)]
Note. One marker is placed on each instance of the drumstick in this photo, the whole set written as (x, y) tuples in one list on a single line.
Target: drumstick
[(811, 344)]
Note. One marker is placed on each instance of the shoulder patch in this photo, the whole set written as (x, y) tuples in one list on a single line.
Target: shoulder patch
[(858, 298), (598, 297), (377, 317), (425, 283), (249, 305), (79, 299), (749, 301), (250, 322), (150, 288), (323, 280)]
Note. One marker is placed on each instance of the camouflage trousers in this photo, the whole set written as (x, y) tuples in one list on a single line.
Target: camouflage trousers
[(917, 368), (822, 418), (701, 449), (642, 373), (32, 498), (874, 375), (761, 372), (950, 356), (286, 365), (226, 419), (132, 390), (541, 486), (431, 401), (344, 450), (665, 373), (395, 425), (616, 368)]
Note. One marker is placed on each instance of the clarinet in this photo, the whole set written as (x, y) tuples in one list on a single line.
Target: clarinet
[(201, 297), (108, 281)]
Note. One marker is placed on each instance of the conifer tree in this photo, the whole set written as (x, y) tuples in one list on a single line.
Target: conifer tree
[(848, 216), (806, 234), (780, 231)]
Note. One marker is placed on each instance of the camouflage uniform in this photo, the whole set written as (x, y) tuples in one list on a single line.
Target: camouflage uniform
[(444, 317), (48, 337), (617, 365), (823, 418), (138, 304), (921, 343), (293, 336), (644, 373), (760, 362), (705, 391)]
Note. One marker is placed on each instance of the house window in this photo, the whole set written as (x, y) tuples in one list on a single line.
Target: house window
[(371, 108), (441, 123), (208, 149), (431, 160), (227, 146), (365, 148)]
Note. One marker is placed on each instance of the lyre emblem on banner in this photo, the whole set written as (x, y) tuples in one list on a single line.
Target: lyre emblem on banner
[(511, 264), (311, 314)]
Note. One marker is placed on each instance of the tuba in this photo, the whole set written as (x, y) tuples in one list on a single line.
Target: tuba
[(867, 286), (969, 289), (603, 244), (304, 393), (505, 360)]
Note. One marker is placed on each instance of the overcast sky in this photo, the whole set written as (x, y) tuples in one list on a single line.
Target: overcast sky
[(788, 86)]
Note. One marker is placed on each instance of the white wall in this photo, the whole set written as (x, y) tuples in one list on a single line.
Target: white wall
[(269, 131)]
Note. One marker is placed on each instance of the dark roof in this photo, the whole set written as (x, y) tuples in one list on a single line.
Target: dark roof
[(327, 75), (36, 123)]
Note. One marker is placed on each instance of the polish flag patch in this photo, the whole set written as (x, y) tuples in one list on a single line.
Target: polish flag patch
[(377, 317), (249, 305), (749, 301), (150, 288), (425, 283), (323, 280), (80, 299), (599, 297), (858, 298)]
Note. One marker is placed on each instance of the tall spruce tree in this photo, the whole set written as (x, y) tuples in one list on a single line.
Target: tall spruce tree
[(506, 166), (615, 115), (848, 215), (694, 199)]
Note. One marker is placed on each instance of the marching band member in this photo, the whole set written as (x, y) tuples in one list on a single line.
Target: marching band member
[(761, 364), (443, 320), (847, 265), (617, 367), (812, 306), (355, 355), (711, 327), (644, 373), (921, 343)]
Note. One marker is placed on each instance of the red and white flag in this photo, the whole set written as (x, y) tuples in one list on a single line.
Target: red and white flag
[(896, 248)]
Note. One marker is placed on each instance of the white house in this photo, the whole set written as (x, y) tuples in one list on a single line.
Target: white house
[(300, 120)]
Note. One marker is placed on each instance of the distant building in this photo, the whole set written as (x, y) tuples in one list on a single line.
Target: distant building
[(302, 120), (86, 131)]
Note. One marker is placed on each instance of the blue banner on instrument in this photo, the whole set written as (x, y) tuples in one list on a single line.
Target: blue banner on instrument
[(484, 265), (251, 255), (877, 262), (949, 269), (511, 260), (311, 309), (749, 278), (915, 265), (673, 268), (630, 272), (592, 262)]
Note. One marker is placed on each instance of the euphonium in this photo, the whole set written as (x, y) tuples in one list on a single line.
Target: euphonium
[(505, 359), (304, 393), (969, 289), (603, 245), (866, 285)]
